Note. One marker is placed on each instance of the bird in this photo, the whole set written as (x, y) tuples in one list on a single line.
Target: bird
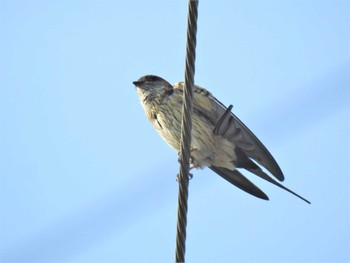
[(219, 139)]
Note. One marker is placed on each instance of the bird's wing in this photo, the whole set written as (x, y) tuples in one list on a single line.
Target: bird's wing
[(237, 179), (248, 146), (232, 128)]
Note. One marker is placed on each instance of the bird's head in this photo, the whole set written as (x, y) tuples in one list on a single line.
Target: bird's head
[(151, 86)]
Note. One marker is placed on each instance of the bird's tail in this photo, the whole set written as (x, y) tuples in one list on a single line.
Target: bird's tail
[(237, 179)]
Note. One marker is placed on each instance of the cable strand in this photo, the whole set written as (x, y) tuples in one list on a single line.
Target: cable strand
[(186, 127)]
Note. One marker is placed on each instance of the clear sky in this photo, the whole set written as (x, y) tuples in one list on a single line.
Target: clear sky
[(85, 178)]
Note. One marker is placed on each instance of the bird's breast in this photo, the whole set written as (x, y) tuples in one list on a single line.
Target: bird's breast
[(207, 148)]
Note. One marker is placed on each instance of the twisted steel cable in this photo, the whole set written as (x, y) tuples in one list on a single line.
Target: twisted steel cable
[(186, 128)]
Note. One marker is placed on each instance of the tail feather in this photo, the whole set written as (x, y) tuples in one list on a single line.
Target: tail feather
[(237, 179), (242, 161), (257, 171)]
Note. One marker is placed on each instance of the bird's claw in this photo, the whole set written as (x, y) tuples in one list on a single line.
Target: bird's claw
[(178, 177), (191, 161)]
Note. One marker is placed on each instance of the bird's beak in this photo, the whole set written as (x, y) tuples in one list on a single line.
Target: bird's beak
[(140, 84)]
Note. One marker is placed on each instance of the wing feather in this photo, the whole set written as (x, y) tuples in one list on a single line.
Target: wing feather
[(248, 146), (231, 127)]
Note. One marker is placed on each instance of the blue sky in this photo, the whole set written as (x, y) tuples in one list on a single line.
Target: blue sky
[(85, 178)]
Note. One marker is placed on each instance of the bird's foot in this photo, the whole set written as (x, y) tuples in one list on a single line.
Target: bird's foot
[(191, 161), (178, 177)]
